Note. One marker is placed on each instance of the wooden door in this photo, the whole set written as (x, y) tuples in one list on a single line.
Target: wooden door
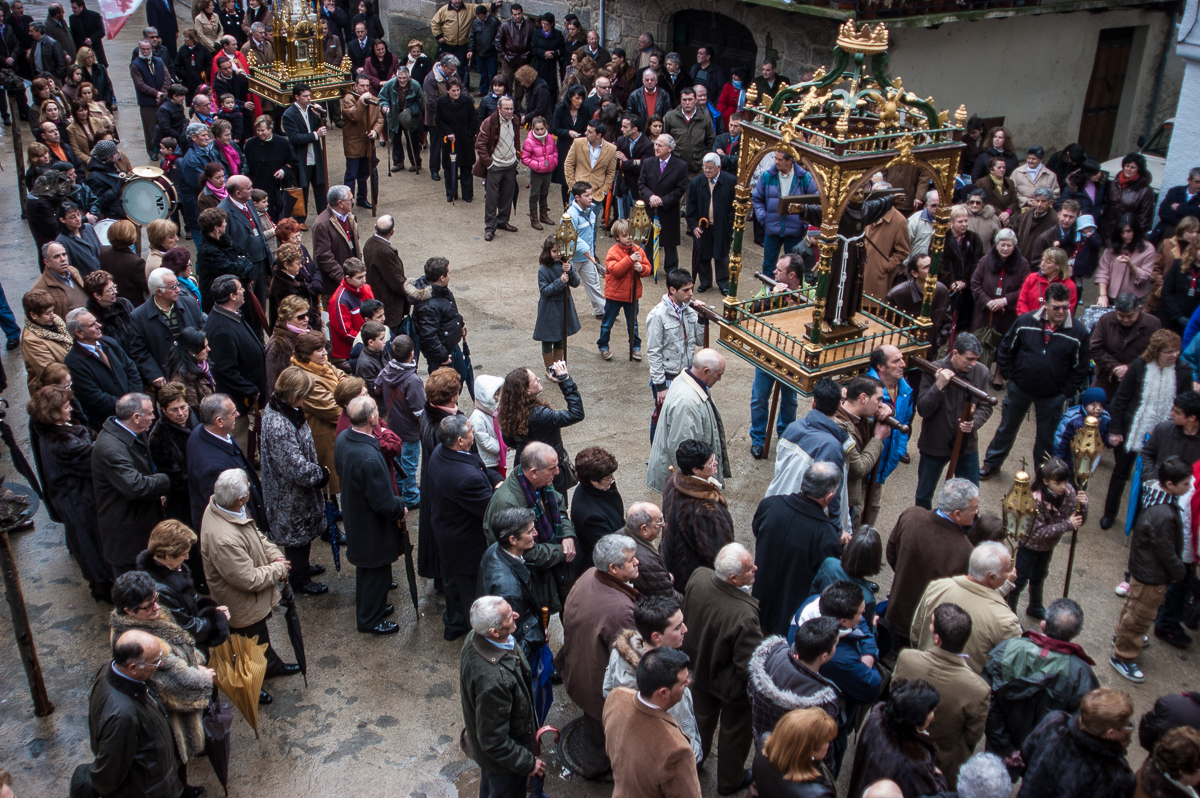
[(1104, 90)]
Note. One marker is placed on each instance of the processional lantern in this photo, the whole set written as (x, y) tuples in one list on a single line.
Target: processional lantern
[(1086, 448), (841, 127), (1019, 510), (639, 224), (299, 57), (564, 238)]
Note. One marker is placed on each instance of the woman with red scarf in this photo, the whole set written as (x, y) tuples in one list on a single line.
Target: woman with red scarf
[(1129, 193)]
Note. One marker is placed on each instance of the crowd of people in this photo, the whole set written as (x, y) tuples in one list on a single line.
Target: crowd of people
[(144, 375)]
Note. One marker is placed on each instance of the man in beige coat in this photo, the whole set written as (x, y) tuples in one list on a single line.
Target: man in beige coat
[(651, 756), (978, 593), (887, 246), (593, 160), (963, 707), (243, 568), (363, 127)]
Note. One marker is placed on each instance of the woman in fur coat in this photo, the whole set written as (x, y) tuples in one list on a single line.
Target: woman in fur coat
[(168, 447), (165, 559), (183, 682), (64, 457), (894, 743), (695, 513)]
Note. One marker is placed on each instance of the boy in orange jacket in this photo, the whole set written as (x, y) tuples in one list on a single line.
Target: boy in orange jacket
[(624, 267)]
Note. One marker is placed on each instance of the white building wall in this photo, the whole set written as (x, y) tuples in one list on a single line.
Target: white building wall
[(1185, 138)]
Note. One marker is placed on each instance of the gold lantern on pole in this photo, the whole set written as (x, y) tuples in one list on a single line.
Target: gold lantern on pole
[(1086, 448), (565, 236), (639, 224), (1019, 510)]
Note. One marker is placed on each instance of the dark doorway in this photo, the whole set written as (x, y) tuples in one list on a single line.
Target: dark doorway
[(1104, 90), (732, 40)]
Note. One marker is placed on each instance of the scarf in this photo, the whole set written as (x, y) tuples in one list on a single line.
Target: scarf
[(189, 285), (1158, 395), (502, 457), (1124, 181), (998, 182), (58, 333), (231, 156), (202, 368), (544, 502), (1058, 646), (217, 191), (292, 414), (294, 328)]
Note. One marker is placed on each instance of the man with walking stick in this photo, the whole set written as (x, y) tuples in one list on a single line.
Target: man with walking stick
[(952, 415)]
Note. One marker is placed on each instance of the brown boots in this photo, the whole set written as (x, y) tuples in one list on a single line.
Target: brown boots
[(545, 216), (533, 222)]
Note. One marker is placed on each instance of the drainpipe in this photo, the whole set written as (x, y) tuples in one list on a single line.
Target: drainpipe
[(1148, 127), (601, 31)]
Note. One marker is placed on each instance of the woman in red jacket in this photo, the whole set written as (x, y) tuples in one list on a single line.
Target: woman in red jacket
[(624, 266), (1055, 268)]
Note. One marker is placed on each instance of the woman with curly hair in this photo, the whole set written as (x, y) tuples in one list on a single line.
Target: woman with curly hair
[(165, 559), (292, 477), (291, 321), (62, 447), (1128, 265), (441, 401), (697, 523), (525, 417), (44, 337), (895, 744), (183, 682), (597, 508), (320, 408), (115, 313), (1173, 770), (790, 762), (1129, 193)]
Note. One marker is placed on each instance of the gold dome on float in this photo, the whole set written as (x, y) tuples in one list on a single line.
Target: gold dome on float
[(864, 40)]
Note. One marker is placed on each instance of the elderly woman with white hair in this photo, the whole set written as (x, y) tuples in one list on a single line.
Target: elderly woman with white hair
[(243, 568), (996, 286)]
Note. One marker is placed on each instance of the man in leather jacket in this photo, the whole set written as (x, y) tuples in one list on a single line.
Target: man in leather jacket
[(503, 573)]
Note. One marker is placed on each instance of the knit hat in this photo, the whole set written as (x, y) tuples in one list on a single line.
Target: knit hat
[(1084, 222), (104, 150), (1092, 395), (62, 166)]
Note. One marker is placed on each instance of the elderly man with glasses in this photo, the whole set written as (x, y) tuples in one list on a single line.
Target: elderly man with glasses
[(157, 322)]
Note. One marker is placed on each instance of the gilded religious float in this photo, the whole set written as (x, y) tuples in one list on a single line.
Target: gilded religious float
[(299, 57), (842, 127)]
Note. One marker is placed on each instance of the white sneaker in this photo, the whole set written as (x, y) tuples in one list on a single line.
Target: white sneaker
[(1122, 589), (1129, 670)]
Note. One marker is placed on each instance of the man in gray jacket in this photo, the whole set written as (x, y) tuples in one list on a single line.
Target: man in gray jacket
[(672, 334)]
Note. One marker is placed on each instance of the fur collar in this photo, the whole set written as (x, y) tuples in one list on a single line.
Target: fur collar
[(696, 488), (765, 685), (417, 293), (163, 627), (629, 645)]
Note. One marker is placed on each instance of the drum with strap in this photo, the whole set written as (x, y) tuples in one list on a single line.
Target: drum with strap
[(148, 194)]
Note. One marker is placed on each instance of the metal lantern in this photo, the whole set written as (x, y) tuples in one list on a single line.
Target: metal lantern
[(639, 224), (564, 238), (1019, 511), (1086, 448)]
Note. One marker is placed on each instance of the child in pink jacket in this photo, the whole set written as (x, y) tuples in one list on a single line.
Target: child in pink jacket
[(540, 154)]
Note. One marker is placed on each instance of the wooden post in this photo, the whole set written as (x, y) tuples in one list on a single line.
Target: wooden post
[(16, 604), (22, 192), (771, 419)]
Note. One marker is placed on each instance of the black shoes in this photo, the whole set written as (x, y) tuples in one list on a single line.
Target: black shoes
[(264, 698), (393, 586), (1106, 522), (747, 780), (987, 472), (284, 670), (1173, 635), (313, 589), (383, 628), (1036, 612), (434, 176), (756, 452), (192, 792), (507, 227), (316, 570), (389, 610), (365, 204)]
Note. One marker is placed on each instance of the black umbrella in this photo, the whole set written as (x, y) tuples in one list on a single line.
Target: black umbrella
[(288, 599), (468, 369), (331, 528), (452, 178), (409, 571), (217, 720)]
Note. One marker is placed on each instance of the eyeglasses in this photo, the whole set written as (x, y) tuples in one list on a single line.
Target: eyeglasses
[(153, 602), (155, 664)]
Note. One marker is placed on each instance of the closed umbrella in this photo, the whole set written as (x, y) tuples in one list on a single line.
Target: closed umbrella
[(409, 571), (331, 518), (217, 720), (537, 784), (292, 620), (468, 374), (241, 666), (989, 338)]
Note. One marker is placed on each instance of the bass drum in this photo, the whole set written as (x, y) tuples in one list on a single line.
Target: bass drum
[(101, 228), (148, 195)]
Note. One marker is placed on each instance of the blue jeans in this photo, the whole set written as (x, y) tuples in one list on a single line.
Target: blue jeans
[(410, 460), (191, 212), (486, 64), (358, 169), (930, 468), (1016, 404), (612, 309), (760, 407), (8, 322), (773, 245)]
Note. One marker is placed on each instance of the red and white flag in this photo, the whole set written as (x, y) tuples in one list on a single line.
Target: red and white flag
[(116, 13)]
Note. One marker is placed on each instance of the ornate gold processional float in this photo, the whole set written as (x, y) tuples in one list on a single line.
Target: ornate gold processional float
[(842, 127), (299, 57)]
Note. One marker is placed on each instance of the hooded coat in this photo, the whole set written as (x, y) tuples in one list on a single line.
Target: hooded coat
[(697, 526), (488, 439), (812, 439), (627, 651), (404, 398), (780, 682), (322, 413)]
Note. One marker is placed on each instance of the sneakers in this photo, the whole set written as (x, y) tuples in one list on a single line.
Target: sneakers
[(1122, 589), (1173, 635), (1129, 670), (607, 355), (637, 355)]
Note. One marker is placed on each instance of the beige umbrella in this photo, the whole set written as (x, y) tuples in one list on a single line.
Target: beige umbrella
[(241, 666)]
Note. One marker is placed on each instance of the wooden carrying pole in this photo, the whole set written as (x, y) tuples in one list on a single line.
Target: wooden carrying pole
[(16, 604)]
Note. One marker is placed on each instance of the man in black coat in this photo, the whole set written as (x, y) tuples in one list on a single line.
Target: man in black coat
[(1177, 203), (503, 573), (359, 47), (101, 372), (87, 29), (129, 493), (46, 55), (237, 359), (128, 726), (171, 118), (710, 221), (439, 324), (246, 232), (794, 536), (160, 15), (156, 324), (662, 182), (459, 491), (632, 149), (211, 449), (10, 57), (370, 509), (304, 129)]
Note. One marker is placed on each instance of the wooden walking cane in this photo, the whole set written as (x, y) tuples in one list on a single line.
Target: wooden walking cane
[(967, 414), (21, 629)]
